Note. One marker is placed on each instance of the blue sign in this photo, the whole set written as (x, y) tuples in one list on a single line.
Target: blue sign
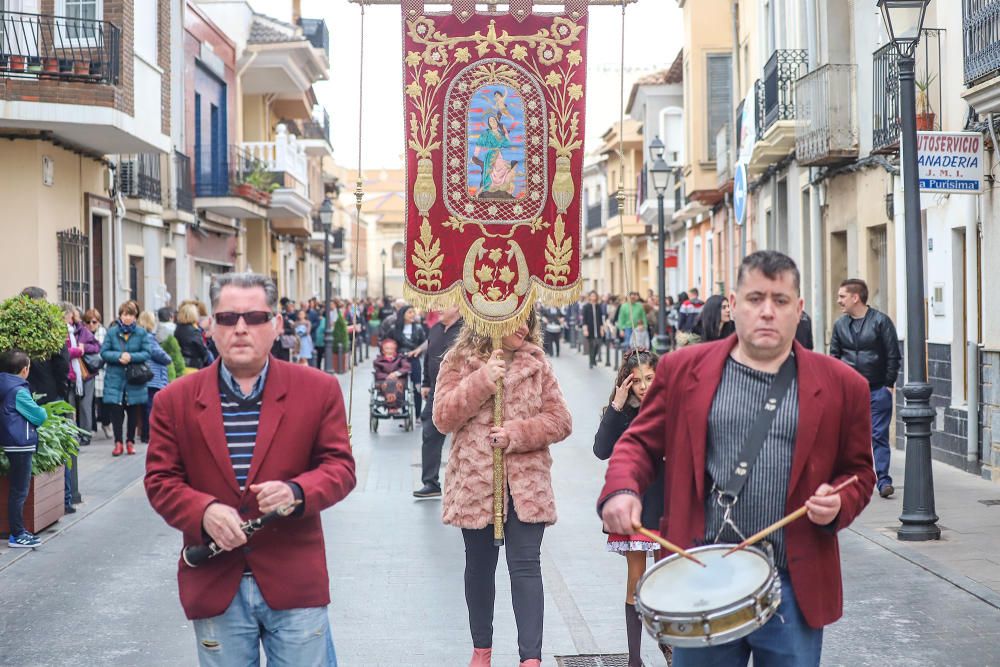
[(740, 193)]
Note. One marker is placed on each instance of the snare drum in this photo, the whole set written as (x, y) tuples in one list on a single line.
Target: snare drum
[(686, 605)]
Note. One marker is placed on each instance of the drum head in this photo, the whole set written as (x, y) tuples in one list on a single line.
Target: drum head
[(678, 586)]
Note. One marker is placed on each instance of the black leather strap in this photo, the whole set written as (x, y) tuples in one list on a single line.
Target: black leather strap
[(758, 432)]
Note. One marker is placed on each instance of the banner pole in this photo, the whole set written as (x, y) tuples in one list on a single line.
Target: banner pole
[(498, 472)]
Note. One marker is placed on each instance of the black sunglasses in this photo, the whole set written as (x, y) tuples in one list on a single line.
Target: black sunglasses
[(252, 318)]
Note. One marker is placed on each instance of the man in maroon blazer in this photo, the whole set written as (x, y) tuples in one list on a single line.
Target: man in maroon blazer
[(245, 436), (696, 417)]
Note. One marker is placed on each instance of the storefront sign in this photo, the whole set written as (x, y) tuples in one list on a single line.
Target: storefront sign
[(670, 258), (950, 162)]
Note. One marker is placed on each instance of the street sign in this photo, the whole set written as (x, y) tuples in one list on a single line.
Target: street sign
[(950, 162), (740, 191), (670, 258)]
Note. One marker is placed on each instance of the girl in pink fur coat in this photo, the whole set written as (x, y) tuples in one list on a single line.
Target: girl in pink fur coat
[(535, 417)]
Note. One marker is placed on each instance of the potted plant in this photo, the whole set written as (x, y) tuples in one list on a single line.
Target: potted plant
[(17, 63), (925, 114), (262, 184), (35, 64), (50, 65), (32, 325), (65, 66), (81, 67), (58, 443), (341, 345)]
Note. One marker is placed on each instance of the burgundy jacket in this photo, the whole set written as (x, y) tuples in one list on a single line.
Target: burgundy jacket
[(302, 438), (832, 443)]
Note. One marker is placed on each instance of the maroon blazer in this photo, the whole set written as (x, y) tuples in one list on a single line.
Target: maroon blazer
[(833, 442), (302, 438)]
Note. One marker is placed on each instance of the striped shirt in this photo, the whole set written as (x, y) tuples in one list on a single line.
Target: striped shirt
[(738, 399), (240, 420)]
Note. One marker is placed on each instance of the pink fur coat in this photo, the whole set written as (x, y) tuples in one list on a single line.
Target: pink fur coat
[(535, 416)]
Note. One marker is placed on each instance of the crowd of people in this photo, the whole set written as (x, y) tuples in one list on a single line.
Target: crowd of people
[(673, 429)]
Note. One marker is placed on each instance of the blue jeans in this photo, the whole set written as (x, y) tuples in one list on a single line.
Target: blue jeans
[(291, 638), (18, 480), (881, 403), (784, 641), (627, 338)]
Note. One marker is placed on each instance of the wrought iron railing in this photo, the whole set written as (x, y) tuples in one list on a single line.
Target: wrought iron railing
[(184, 192), (628, 209), (219, 171), (981, 38), (594, 218), (317, 128), (759, 98), (885, 79), (58, 47), (826, 104), (317, 33), (139, 176), (73, 248), (782, 70)]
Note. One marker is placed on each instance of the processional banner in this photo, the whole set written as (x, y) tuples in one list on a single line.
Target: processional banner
[(494, 131)]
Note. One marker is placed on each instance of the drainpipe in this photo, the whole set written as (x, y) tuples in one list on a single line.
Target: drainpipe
[(734, 142), (972, 227), (118, 241), (816, 242)]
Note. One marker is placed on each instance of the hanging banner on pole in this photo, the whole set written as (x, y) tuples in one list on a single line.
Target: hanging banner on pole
[(494, 134)]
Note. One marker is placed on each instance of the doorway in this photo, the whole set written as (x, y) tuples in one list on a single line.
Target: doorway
[(136, 276)]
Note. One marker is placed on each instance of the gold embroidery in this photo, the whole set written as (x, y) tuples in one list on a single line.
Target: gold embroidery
[(558, 252), (427, 257)]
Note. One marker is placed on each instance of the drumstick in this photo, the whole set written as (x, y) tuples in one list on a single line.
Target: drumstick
[(669, 546), (794, 516)]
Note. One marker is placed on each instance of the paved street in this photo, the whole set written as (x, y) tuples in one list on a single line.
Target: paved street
[(102, 590)]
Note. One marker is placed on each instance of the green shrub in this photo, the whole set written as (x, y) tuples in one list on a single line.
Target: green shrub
[(32, 325), (340, 333), (58, 440)]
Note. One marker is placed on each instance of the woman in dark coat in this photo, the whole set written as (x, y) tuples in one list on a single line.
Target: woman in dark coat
[(410, 336), (634, 378), (126, 344), (714, 320), (188, 335)]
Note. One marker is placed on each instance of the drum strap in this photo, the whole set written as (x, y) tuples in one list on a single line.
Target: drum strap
[(758, 432)]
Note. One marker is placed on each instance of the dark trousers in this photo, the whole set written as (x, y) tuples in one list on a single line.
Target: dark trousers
[(881, 403), (415, 379), (118, 413), (593, 350), (146, 411), (523, 544), (552, 344), (433, 444), (19, 479)]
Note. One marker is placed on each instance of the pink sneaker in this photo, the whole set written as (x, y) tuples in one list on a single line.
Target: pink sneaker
[(481, 657)]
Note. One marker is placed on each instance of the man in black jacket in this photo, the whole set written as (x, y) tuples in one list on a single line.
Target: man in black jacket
[(439, 340), (594, 315), (865, 339)]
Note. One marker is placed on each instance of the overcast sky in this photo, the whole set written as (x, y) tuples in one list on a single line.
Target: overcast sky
[(654, 35)]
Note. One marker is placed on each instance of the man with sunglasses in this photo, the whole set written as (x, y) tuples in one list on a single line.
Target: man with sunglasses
[(216, 460)]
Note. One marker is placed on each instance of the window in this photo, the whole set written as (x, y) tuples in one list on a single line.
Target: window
[(398, 255), (82, 17), (672, 132), (720, 97)]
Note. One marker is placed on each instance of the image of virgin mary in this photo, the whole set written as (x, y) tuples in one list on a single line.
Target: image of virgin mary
[(498, 174)]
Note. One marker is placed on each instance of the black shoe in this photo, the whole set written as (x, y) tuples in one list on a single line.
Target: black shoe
[(886, 491), (69, 509), (429, 491)]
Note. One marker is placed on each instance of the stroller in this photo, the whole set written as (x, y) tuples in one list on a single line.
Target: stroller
[(390, 395)]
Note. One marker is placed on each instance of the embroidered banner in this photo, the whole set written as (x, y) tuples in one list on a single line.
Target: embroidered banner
[(494, 134)]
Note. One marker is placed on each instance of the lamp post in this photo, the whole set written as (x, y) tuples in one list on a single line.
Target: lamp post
[(326, 219), (383, 255), (904, 20), (660, 175)]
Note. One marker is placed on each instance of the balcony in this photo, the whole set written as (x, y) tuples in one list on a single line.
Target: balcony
[(284, 154), (624, 217), (595, 219), (776, 110), (723, 157), (229, 183), (981, 44), (828, 131), (37, 46), (337, 251), (315, 133), (183, 192), (139, 182), (286, 161), (886, 125), (316, 32)]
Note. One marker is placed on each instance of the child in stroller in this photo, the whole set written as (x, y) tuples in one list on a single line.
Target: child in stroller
[(392, 373)]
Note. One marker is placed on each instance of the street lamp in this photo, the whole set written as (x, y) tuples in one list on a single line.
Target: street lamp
[(660, 175), (903, 21), (383, 254), (326, 219)]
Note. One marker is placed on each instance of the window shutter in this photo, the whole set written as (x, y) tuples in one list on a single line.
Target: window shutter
[(720, 96)]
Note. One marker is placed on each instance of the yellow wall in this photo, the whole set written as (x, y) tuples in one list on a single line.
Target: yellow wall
[(707, 29), (33, 212)]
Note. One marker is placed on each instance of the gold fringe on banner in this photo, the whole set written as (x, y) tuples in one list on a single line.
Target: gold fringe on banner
[(484, 326)]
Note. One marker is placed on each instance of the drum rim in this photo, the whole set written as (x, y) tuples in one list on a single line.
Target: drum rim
[(729, 608)]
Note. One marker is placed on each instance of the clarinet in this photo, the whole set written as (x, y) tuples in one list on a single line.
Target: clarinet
[(202, 553)]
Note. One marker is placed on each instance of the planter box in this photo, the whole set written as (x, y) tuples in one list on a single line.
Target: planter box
[(44, 505)]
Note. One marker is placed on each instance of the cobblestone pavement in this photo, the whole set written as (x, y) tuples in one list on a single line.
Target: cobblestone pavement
[(102, 589)]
